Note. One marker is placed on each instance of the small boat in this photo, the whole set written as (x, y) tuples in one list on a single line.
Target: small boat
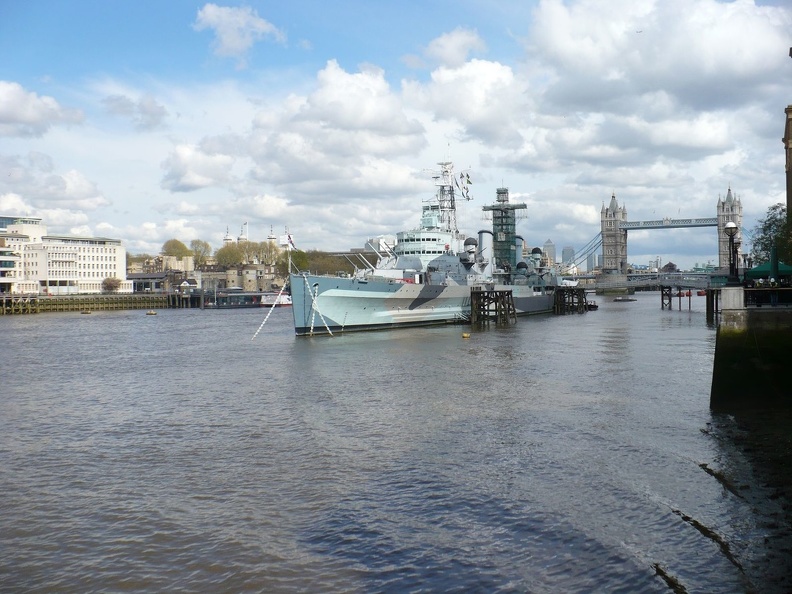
[(272, 299), (701, 293), (236, 299), (592, 306), (85, 311), (620, 299), (151, 312)]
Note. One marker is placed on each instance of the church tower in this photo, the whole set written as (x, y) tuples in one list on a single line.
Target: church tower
[(729, 209), (614, 238)]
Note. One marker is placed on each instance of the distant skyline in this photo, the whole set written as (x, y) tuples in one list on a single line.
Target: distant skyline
[(149, 120)]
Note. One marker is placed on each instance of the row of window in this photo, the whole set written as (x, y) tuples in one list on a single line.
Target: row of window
[(84, 275), (66, 257), (104, 265), (90, 250)]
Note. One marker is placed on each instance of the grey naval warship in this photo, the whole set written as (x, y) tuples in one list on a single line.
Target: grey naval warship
[(426, 278)]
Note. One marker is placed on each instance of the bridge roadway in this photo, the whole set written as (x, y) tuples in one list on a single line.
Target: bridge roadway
[(683, 280), (668, 223)]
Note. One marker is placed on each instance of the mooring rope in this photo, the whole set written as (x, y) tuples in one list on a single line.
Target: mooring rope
[(315, 308), (269, 313)]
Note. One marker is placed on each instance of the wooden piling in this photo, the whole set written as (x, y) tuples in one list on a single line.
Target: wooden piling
[(487, 305), (569, 300)]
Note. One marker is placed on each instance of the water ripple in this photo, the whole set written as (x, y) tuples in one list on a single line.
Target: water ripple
[(571, 454)]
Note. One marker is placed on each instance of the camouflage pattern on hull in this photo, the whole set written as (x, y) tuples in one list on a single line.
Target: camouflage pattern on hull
[(324, 304)]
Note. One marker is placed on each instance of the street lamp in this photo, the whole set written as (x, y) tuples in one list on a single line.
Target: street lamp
[(731, 230)]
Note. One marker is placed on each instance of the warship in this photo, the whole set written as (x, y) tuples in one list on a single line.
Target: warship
[(428, 275)]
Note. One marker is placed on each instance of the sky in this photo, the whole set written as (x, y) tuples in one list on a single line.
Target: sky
[(147, 120)]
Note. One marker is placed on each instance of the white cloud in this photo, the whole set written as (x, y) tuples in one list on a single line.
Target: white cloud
[(146, 113), (56, 219), (452, 49), (36, 178), (235, 29), (188, 168), (484, 99), (705, 54), (14, 204), (338, 141), (25, 113)]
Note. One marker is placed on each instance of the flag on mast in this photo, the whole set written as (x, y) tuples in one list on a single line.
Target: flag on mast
[(287, 241)]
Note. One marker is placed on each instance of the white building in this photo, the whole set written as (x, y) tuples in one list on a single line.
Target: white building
[(58, 264), (9, 263)]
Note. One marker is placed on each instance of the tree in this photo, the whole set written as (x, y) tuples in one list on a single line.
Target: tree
[(130, 258), (322, 262), (267, 252), (111, 284), (248, 249), (230, 255), (174, 247), (772, 230), (200, 250), (299, 261)]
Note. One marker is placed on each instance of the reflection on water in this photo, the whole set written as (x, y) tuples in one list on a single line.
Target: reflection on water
[(565, 454)]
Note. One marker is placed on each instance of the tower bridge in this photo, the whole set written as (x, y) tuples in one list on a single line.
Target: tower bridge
[(614, 228)]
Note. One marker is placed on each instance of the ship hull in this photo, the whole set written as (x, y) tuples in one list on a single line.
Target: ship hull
[(323, 304)]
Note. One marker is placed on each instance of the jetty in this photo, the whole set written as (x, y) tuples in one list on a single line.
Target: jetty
[(33, 304)]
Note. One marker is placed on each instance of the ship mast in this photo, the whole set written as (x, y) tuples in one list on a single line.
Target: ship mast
[(446, 181)]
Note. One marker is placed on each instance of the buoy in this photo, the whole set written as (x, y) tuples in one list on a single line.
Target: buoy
[(466, 335)]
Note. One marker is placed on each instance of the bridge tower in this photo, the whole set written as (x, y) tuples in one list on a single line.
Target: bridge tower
[(614, 238), (729, 209)]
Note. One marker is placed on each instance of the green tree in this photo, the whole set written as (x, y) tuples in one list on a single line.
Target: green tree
[(174, 247), (248, 249), (200, 250), (320, 262), (111, 284), (266, 252), (230, 255), (299, 261), (130, 258), (772, 230)]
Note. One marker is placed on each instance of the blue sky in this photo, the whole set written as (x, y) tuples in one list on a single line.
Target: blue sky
[(149, 120)]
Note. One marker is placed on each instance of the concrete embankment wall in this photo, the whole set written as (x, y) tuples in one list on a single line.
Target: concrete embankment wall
[(752, 367)]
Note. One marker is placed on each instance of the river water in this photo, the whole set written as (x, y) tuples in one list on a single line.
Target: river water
[(563, 454)]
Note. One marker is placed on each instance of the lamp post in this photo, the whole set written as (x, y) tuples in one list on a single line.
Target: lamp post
[(731, 230)]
